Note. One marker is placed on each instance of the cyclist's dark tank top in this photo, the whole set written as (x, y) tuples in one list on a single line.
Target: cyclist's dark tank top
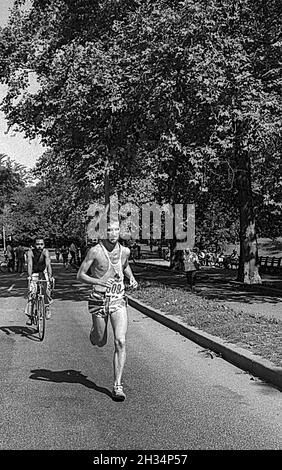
[(39, 262)]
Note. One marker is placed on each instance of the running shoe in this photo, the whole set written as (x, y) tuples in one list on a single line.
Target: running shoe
[(118, 393)]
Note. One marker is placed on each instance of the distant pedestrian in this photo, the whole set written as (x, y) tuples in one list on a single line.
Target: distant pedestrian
[(20, 258), (219, 259), (57, 253), (83, 251), (73, 253), (134, 251), (13, 258), (202, 257), (208, 258), (191, 265), (10, 257), (65, 256), (234, 258)]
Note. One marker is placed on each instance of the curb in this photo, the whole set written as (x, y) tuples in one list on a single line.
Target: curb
[(245, 360)]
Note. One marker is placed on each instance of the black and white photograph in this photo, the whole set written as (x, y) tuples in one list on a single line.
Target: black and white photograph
[(140, 232)]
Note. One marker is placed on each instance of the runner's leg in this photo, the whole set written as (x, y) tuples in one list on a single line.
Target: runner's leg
[(119, 321), (189, 278), (193, 280), (98, 334)]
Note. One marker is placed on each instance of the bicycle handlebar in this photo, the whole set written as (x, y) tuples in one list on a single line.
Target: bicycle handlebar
[(52, 281)]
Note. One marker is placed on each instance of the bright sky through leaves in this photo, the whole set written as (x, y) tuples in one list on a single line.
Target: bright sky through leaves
[(14, 145)]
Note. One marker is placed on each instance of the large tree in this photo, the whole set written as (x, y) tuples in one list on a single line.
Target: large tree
[(13, 178), (53, 208), (184, 93)]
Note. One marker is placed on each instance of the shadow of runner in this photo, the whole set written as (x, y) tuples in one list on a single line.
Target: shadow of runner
[(67, 376)]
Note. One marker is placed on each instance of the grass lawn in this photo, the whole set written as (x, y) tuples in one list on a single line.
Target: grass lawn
[(266, 247), (260, 335)]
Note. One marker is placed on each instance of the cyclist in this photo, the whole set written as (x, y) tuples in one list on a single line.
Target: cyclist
[(39, 267), (108, 263), (10, 255)]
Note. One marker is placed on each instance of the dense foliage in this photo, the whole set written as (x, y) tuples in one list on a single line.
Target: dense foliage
[(180, 101)]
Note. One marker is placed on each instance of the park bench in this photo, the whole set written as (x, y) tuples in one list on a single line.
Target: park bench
[(262, 262), (275, 264), (270, 264)]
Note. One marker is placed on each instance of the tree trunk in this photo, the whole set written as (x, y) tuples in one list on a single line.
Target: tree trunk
[(248, 268), (175, 256), (107, 184)]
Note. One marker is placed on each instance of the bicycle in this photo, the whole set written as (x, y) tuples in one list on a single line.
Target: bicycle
[(38, 309)]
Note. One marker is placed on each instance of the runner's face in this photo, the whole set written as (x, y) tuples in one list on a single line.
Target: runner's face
[(39, 245), (113, 233)]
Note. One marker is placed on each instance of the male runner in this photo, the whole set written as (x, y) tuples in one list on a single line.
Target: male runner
[(39, 267), (108, 262)]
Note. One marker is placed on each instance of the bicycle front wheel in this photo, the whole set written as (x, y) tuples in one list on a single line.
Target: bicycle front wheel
[(41, 317)]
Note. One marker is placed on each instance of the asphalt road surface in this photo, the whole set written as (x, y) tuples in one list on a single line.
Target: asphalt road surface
[(56, 394)]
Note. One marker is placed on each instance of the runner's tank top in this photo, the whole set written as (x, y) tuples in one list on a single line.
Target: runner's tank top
[(114, 272), (39, 261)]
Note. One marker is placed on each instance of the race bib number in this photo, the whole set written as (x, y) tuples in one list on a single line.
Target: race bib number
[(115, 289)]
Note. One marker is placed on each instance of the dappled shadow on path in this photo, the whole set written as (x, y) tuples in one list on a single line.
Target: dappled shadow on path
[(12, 285), (21, 330), (216, 284), (67, 287), (67, 376), (210, 284)]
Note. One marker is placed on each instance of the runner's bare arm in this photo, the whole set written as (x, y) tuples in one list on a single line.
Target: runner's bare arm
[(127, 270), (82, 275)]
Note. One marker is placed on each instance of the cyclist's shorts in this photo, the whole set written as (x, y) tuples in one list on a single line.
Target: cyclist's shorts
[(34, 278), (102, 306)]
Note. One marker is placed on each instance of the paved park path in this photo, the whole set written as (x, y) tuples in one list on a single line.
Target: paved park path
[(56, 394)]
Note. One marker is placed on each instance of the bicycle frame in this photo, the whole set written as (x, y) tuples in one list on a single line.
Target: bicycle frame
[(38, 310)]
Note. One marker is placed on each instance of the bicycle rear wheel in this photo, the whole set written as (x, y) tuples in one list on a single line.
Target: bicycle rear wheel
[(41, 317)]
